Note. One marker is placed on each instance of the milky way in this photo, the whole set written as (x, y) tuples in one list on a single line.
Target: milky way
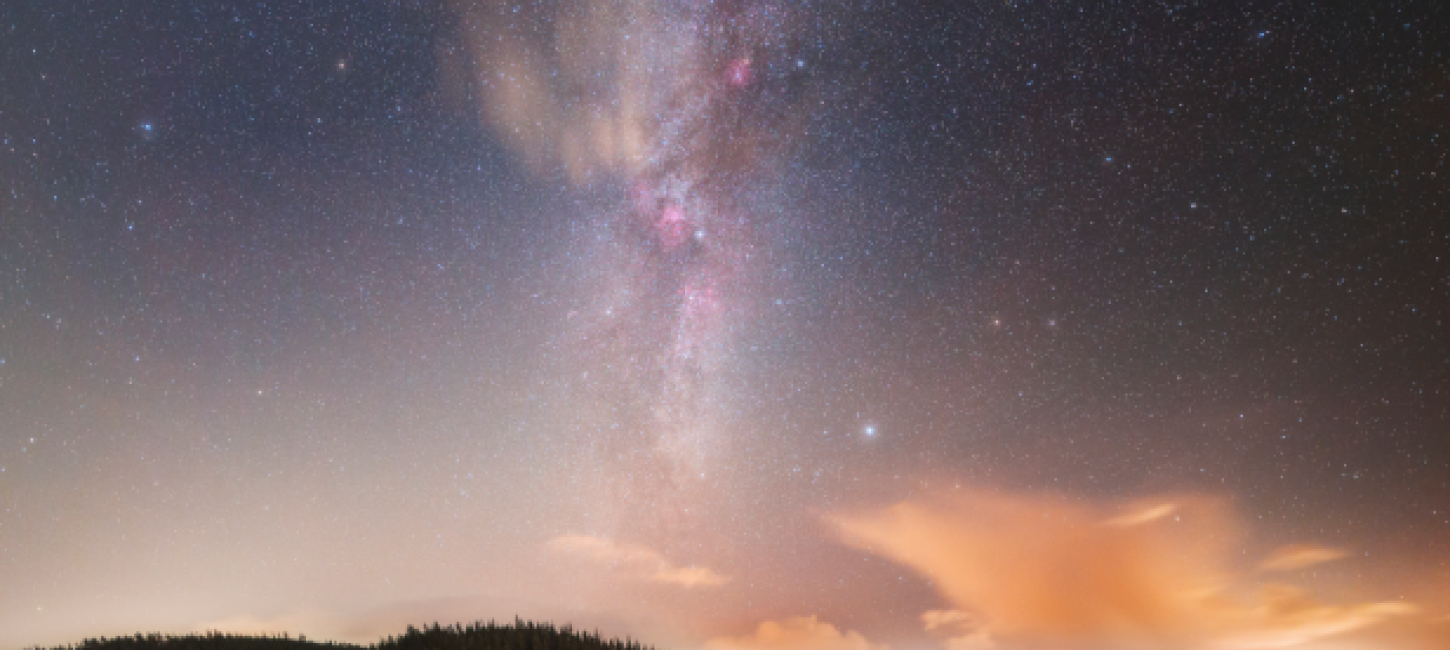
[(679, 111)]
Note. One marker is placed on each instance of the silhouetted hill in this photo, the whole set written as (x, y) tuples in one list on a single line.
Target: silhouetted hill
[(520, 635)]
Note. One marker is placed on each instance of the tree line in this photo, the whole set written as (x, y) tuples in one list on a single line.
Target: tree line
[(521, 635)]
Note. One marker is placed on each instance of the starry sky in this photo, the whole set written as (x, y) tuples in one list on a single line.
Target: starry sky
[(728, 325)]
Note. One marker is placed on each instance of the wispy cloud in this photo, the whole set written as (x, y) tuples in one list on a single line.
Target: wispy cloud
[(795, 633), (1298, 556), (1290, 617), (635, 560), (937, 619), (966, 633), (1144, 515), (1034, 572)]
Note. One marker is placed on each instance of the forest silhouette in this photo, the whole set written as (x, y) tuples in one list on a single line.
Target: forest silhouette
[(521, 635)]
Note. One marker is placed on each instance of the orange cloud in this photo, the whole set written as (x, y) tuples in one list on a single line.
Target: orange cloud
[(1289, 617), (978, 640), (1033, 572), (970, 636), (944, 618), (1144, 515), (1298, 556), (795, 633), (639, 561)]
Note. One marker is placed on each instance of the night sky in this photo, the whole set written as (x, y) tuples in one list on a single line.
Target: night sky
[(731, 325)]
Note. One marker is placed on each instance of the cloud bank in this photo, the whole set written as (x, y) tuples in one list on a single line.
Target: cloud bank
[(1039, 572)]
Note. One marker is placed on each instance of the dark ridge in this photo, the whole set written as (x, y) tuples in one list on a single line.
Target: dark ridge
[(521, 635)]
